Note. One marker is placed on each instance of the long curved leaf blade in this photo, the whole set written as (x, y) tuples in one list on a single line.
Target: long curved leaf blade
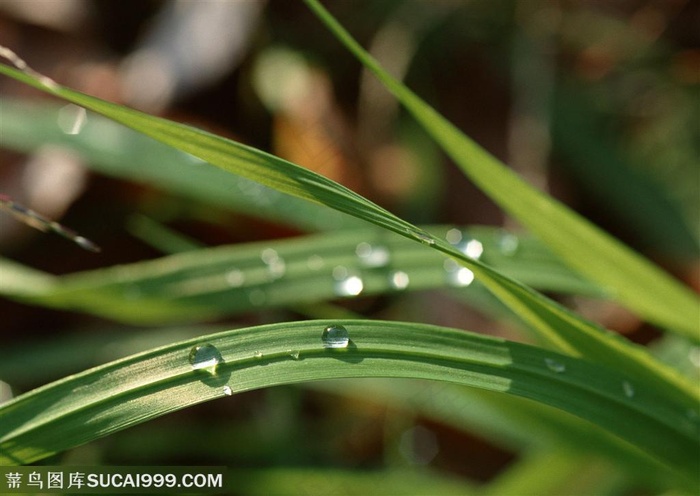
[(637, 283), (227, 280), (114, 396)]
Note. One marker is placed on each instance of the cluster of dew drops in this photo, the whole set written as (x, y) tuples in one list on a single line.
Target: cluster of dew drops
[(206, 357)]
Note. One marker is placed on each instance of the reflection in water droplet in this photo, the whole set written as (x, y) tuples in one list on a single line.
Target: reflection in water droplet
[(422, 236), (398, 280), (235, 278), (315, 262), (628, 389), (372, 256), (335, 336), (347, 284), (72, 119), (508, 243), (457, 275), (554, 365), (227, 391), (205, 357)]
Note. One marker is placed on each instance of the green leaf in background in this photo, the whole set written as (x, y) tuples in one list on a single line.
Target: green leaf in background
[(106, 399), (226, 280), (638, 284)]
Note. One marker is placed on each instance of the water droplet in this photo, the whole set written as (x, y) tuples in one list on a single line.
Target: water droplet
[(258, 354), (473, 249), (628, 389), (205, 357), (422, 236), (275, 264), (457, 275), (315, 262), (294, 354), (554, 365), (508, 243), (235, 278), (469, 246), (347, 284), (372, 256), (453, 236), (72, 119), (335, 336), (228, 391), (398, 280)]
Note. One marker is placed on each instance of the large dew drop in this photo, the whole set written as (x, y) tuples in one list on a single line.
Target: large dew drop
[(335, 336), (205, 357)]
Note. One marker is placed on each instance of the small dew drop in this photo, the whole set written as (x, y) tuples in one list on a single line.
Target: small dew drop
[(628, 389), (469, 246), (228, 391), (508, 243), (347, 284), (399, 280), (294, 354), (235, 278), (453, 236), (457, 275), (473, 249), (258, 354), (275, 264), (554, 365), (335, 336), (372, 256), (422, 236), (205, 357)]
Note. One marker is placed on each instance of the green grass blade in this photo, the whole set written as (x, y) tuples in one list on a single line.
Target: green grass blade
[(114, 396), (230, 279), (637, 283), (555, 324), (114, 150)]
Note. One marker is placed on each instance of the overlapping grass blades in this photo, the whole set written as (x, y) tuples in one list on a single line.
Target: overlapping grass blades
[(111, 397), (553, 323), (637, 283)]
